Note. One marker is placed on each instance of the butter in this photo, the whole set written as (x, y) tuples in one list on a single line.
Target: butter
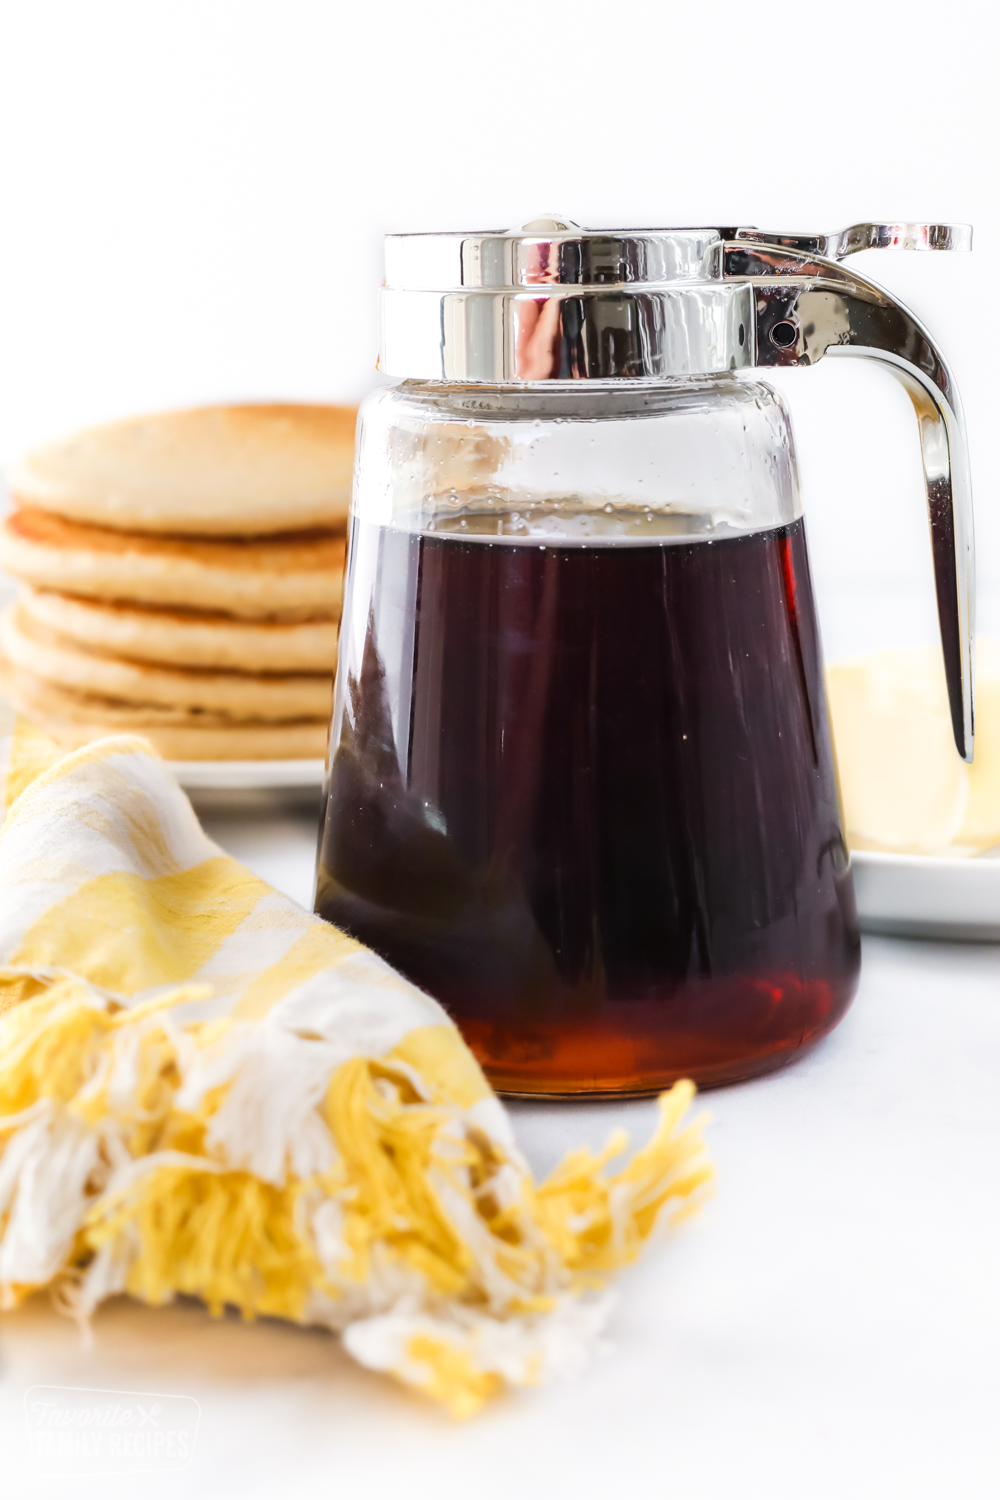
[(981, 825), (903, 786)]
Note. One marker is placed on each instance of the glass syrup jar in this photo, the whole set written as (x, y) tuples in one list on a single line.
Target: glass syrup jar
[(581, 785)]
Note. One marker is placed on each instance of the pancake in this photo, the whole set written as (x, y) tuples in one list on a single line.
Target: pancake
[(297, 576), (217, 471), (186, 639), (74, 719), (44, 653)]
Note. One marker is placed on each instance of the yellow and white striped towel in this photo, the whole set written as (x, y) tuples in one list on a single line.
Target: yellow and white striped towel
[(206, 1090)]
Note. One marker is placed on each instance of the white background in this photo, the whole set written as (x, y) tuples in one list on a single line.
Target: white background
[(193, 198), (194, 194)]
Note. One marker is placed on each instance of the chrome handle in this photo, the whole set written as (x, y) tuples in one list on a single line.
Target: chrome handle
[(807, 307)]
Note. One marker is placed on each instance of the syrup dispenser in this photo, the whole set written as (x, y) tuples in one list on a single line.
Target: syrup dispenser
[(581, 785)]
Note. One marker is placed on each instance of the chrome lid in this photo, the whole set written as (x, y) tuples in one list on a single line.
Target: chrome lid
[(550, 300), (550, 252)]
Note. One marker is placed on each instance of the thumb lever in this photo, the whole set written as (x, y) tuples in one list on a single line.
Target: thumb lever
[(841, 242)]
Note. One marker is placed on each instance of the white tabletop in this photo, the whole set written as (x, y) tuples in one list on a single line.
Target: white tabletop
[(829, 1327)]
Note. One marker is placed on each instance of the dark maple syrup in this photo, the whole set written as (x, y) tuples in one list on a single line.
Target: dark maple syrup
[(584, 794)]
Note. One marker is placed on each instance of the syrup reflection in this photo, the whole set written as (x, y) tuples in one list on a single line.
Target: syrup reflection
[(390, 875)]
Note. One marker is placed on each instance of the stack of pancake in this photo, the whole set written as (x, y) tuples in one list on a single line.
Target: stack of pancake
[(183, 578)]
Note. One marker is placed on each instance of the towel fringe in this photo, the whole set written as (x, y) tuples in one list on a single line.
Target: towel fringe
[(143, 1156)]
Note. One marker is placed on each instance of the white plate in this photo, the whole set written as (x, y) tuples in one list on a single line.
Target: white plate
[(248, 775), (917, 895)]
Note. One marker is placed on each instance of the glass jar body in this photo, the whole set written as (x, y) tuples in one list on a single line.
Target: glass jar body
[(581, 787)]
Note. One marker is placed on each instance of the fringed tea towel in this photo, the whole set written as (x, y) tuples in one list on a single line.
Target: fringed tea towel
[(206, 1090)]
